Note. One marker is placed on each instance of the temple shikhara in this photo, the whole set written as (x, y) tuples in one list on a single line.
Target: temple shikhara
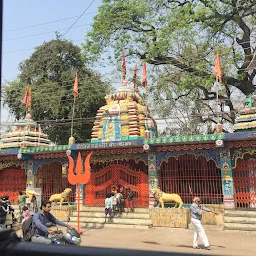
[(220, 168), (125, 117)]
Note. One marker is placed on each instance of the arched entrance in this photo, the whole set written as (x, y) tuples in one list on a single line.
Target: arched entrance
[(12, 180), (244, 176), (190, 176), (50, 179), (102, 180)]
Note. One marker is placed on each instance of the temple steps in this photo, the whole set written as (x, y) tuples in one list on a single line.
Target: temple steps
[(240, 220), (102, 215), (94, 217), (102, 209)]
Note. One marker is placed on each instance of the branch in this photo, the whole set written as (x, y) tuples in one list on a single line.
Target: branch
[(183, 95)]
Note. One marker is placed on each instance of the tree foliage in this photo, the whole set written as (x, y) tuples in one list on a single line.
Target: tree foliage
[(183, 37), (51, 70)]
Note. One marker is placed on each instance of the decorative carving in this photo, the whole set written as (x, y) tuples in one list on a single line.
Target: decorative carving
[(4, 165), (227, 179), (240, 153), (162, 198), (208, 154)]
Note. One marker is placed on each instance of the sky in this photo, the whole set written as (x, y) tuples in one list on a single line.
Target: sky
[(28, 23)]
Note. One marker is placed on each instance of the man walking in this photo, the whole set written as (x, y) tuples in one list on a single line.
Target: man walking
[(196, 216)]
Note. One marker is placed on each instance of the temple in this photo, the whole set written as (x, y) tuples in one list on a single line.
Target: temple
[(220, 167), (25, 133), (246, 121)]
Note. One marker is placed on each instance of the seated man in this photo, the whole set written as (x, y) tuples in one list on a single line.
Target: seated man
[(40, 219)]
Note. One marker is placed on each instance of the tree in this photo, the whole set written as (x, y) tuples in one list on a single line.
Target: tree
[(180, 38), (51, 70)]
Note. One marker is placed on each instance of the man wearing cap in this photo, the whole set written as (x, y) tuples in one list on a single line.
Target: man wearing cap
[(196, 210)]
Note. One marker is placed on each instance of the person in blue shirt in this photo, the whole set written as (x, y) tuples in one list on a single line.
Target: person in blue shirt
[(40, 219)]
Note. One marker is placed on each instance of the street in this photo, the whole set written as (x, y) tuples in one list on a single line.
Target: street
[(171, 240)]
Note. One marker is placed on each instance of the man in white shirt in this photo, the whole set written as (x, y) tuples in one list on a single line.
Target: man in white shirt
[(196, 215)]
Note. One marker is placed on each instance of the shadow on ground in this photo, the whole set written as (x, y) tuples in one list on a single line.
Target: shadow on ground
[(150, 242)]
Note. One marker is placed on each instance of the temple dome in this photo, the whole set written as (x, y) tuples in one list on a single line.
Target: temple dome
[(246, 119), (25, 133), (124, 117)]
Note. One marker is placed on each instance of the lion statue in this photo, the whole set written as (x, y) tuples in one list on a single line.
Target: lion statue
[(162, 198), (61, 197)]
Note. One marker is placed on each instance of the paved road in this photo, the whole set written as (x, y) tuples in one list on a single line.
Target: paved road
[(171, 240)]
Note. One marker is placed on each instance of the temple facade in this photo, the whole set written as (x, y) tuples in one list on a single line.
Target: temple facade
[(220, 167)]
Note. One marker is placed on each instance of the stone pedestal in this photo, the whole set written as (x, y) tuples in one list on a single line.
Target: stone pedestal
[(62, 212), (174, 218)]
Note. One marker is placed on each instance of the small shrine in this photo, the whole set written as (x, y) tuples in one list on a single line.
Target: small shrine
[(25, 133), (246, 120)]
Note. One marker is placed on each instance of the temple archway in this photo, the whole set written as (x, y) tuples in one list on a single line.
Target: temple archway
[(126, 173), (189, 176), (50, 179)]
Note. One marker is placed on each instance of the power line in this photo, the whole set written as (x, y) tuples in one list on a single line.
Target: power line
[(78, 18), (43, 33), (92, 119), (49, 22)]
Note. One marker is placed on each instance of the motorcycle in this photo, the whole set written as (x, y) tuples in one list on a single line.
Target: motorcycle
[(71, 237)]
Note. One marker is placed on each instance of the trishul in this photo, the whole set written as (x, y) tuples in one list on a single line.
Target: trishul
[(79, 177)]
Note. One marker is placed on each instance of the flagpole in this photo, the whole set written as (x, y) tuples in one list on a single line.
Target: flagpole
[(75, 91), (217, 97), (72, 120)]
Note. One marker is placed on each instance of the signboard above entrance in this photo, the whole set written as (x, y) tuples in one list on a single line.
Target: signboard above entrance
[(74, 147), (114, 144)]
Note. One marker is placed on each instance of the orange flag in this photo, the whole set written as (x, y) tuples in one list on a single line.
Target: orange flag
[(27, 97), (124, 66), (217, 68), (144, 76), (75, 89)]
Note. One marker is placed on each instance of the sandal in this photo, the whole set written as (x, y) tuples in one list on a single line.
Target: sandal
[(196, 247)]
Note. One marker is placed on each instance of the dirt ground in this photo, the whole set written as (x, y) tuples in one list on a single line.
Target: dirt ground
[(170, 240)]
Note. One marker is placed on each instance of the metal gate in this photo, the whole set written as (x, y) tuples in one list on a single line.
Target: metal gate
[(49, 178), (12, 180), (189, 176), (244, 176), (101, 183)]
